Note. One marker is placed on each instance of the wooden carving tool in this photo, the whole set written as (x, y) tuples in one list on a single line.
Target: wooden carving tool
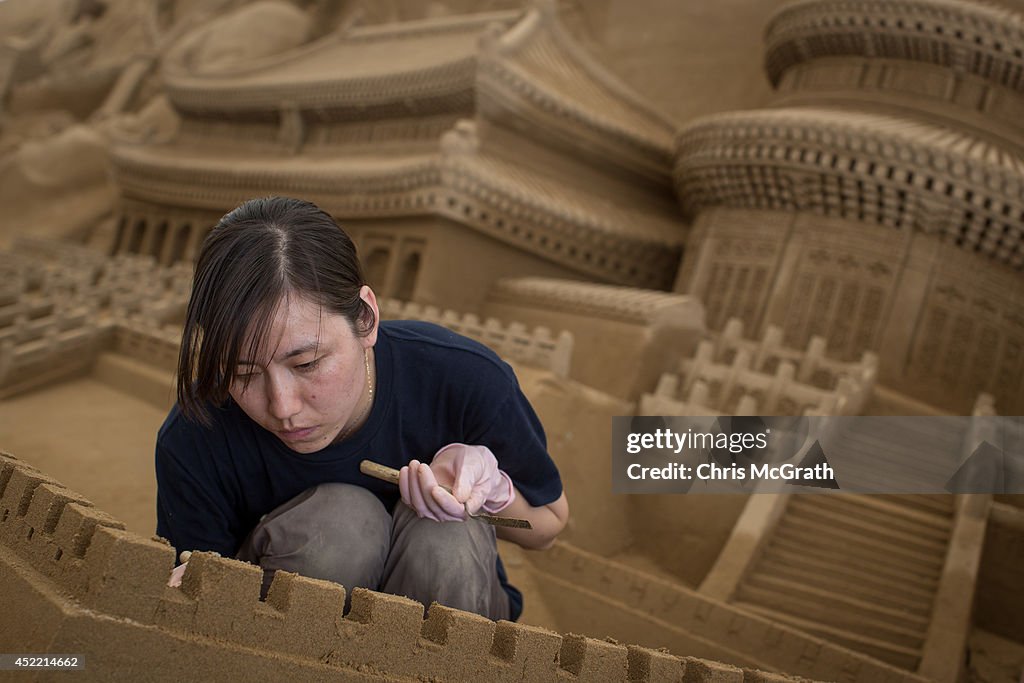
[(378, 471)]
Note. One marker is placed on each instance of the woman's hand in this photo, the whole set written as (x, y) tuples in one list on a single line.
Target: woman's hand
[(472, 475)]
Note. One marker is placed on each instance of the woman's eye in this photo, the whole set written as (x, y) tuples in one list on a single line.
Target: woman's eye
[(309, 366)]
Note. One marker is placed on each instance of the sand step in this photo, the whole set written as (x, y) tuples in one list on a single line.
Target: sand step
[(910, 456), (833, 602), (941, 435), (800, 507), (832, 541), (905, 516), (934, 503), (857, 586), (904, 657), (856, 567), (823, 610)]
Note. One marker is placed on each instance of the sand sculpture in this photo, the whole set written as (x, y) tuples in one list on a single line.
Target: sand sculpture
[(87, 582), (877, 206), (855, 249)]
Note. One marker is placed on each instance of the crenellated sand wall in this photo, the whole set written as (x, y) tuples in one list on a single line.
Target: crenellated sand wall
[(74, 581)]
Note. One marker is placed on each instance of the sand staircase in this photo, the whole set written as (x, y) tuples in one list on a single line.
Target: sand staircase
[(897, 454), (890, 576), (860, 571)]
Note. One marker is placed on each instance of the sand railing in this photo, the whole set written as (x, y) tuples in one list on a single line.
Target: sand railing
[(537, 347), (737, 376)]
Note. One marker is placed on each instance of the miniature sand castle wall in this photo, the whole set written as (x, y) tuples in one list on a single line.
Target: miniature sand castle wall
[(733, 375), (97, 590), (625, 337), (537, 347), (61, 305)]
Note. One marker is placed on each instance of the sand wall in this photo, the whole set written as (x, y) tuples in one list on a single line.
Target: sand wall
[(622, 602), (999, 582), (74, 581)]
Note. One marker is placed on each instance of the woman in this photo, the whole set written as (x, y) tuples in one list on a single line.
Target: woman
[(287, 379)]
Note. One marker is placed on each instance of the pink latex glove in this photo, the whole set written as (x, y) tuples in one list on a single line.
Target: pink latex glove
[(472, 474), (176, 575)]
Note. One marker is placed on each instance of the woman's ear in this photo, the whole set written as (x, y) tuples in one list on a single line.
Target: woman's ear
[(370, 301)]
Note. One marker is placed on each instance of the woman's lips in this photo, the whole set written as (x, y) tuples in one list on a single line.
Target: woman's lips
[(297, 434)]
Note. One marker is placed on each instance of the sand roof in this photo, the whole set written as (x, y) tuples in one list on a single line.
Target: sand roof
[(883, 137), (983, 39), (551, 217), (521, 69), (359, 66)]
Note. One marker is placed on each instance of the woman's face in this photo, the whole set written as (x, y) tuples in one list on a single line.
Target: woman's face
[(311, 382)]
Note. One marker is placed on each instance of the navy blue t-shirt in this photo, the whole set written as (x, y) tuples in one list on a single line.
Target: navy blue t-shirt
[(434, 387)]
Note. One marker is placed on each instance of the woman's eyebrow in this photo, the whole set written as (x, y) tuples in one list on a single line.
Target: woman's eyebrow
[(305, 348)]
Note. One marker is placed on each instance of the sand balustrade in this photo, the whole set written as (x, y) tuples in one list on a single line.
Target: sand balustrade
[(68, 304), (75, 581), (729, 374), (812, 364), (57, 354), (625, 337), (536, 347)]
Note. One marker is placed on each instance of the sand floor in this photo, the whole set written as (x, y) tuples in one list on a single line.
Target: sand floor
[(95, 440)]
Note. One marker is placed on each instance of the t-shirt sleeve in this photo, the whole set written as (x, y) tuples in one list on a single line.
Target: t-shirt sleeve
[(516, 437), (192, 512)]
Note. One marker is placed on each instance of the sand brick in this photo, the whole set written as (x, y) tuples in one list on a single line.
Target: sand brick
[(399, 617), (466, 639), (126, 574), (226, 592), (704, 671), (76, 525), (380, 631), (175, 611), (21, 484), (463, 633), (301, 615), (653, 665), (312, 599), (48, 503), (593, 660), (7, 465), (528, 649)]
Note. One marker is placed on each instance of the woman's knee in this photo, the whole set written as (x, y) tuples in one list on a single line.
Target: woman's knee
[(451, 563), (451, 553), (334, 531)]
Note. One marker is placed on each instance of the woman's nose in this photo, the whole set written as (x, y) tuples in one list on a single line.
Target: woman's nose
[(283, 399)]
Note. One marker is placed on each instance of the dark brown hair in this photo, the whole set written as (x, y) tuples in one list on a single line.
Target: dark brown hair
[(257, 255)]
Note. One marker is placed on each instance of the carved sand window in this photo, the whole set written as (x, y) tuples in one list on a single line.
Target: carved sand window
[(122, 228), (407, 277), (180, 242), (135, 239), (377, 269), (158, 239)]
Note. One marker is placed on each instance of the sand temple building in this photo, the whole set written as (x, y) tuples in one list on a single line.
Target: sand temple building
[(884, 184), (806, 208)]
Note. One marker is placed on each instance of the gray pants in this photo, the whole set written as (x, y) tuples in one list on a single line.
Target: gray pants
[(343, 533)]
